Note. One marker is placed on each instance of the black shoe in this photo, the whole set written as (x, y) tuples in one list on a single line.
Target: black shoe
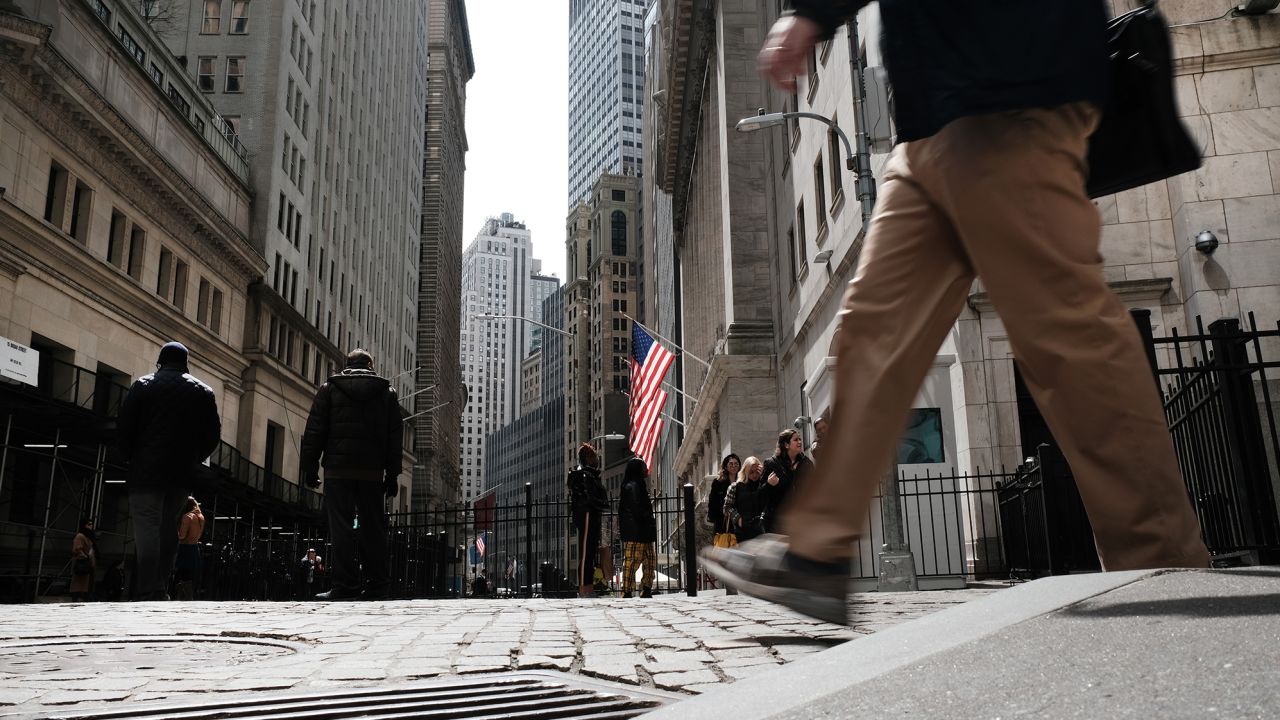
[(646, 593), (374, 594), (338, 594), (763, 568)]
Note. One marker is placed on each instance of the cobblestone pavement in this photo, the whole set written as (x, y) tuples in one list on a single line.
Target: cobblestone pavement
[(53, 657)]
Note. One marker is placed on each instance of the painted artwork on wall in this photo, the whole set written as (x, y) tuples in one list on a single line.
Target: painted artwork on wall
[(922, 442)]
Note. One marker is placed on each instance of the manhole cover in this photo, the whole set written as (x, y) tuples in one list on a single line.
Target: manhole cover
[(525, 695), (130, 654)]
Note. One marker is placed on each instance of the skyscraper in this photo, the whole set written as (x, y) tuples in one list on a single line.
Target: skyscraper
[(606, 85), (496, 273), (437, 427), (319, 93)]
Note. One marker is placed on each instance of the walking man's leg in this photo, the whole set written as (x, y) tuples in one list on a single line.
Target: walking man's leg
[(1033, 236), (340, 506), (373, 538), (648, 565), (630, 558), (911, 283), (146, 506)]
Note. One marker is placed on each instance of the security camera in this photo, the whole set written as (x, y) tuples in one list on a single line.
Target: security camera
[(801, 421), (1206, 242)]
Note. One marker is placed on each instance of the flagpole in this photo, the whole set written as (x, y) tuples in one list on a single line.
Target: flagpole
[(669, 342)]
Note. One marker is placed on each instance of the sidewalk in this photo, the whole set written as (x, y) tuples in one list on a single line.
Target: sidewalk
[(54, 658), (1143, 644)]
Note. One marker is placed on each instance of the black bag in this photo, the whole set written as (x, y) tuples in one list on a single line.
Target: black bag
[(81, 566), (1140, 138)]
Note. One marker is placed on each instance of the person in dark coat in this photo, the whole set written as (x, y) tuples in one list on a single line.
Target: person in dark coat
[(168, 425), (729, 468), (638, 528), (744, 503), (588, 501), (354, 425), (783, 473), (994, 103)]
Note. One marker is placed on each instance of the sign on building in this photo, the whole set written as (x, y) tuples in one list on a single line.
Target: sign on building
[(19, 362)]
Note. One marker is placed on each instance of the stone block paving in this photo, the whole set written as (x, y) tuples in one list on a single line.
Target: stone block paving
[(71, 656)]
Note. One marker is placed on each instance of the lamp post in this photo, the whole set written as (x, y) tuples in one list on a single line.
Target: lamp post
[(491, 316)]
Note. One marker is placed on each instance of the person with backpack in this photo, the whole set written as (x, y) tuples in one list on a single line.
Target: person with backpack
[(638, 528), (588, 500)]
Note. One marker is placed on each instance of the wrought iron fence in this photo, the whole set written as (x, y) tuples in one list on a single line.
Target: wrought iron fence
[(1220, 395)]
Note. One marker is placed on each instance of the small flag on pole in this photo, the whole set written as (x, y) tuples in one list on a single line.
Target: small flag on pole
[(480, 544), (649, 364)]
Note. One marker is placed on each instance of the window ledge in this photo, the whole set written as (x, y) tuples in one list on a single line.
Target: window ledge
[(821, 238), (837, 203)]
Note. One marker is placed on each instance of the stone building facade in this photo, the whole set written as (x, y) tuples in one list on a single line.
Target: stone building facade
[(124, 224), (437, 476)]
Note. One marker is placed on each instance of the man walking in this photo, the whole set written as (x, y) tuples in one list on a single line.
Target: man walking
[(588, 500), (168, 425), (995, 102), (355, 425), (638, 528)]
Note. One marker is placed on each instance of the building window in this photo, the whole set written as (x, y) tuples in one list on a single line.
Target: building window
[(215, 311), (820, 197), (791, 254), (55, 202), (81, 212), (235, 75), (178, 101), (231, 126), (116, 239), (137, 252), (239, 17), (164, 279), (202, 301), (157, 76), (131, 46), (837, 181), (619, 195), (204, 74), (212, 17), (618, 227), (180, 284), (802, 246)]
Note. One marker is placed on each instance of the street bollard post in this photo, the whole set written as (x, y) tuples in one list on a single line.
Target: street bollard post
[(690, 538), (528, 536)]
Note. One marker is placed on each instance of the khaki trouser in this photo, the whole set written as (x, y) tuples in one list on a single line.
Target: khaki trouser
[(1000, 197)]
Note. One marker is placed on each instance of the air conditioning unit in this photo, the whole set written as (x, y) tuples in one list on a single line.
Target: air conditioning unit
[(880, 130)]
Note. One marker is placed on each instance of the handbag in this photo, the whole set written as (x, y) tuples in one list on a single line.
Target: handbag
[(1140, 138), (726, 539)]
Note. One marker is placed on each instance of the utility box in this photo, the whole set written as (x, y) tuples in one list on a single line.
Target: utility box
[(879, 109)]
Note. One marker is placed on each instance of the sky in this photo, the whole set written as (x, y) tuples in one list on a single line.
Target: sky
[(517, 121)]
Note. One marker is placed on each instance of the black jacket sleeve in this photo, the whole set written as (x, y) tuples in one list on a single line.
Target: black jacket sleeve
[(211, 425), (127, 421), (395, 437), (315, 436), (828, 14)]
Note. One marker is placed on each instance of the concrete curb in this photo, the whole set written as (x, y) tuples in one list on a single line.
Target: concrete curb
[(791, 687)]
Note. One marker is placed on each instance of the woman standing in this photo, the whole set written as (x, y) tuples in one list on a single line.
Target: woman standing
[(744, 502), (782, 473), (188, 565), (84, 558), (729, 468)]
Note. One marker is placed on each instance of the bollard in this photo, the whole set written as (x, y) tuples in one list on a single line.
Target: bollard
[(690, 538), (528, 537)]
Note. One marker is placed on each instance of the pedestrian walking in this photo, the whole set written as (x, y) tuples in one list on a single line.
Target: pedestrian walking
[(310, 570), (729, 467), (588, 500), (84, 560), (187, 568), (480, 585), (354, 431), (638, 529), (995, 103), (783, 473), (168, 425), (820, 435)]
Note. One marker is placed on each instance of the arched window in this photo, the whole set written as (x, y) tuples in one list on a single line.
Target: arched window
[(618, 223)]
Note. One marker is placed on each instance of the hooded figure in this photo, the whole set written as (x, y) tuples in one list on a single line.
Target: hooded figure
[(638, 527), (354, 431), (168, 425)]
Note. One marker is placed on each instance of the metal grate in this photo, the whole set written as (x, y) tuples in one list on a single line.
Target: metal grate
[(511, 696)]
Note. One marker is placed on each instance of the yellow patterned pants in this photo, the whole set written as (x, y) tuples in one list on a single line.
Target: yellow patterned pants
[(637, 556)]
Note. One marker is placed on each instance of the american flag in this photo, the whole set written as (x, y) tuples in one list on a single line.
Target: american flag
[(649, 363), (480, 544)]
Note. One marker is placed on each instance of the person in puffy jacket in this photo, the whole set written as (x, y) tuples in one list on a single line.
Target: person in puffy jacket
[(744, 503), (588, 501), (168, 425), (638, 528), (354, 432)]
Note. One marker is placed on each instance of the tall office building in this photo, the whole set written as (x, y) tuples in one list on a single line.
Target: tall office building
[(437, 427), (330, 100), (540, 288), (606, 86), (496, 273)]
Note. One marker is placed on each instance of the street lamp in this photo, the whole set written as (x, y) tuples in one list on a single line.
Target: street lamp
[(764, 120), (491, 316)]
